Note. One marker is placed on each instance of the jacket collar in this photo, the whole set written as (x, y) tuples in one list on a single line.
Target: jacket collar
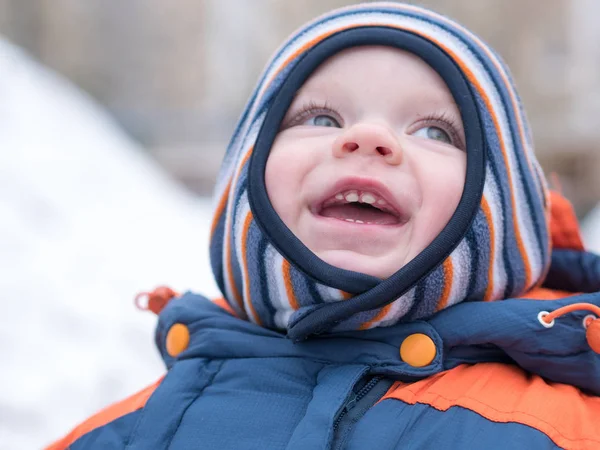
[(473, 332)]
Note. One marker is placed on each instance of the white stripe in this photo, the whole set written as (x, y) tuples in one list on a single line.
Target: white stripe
[(461, 273), (399, 309), (490, 192), (243, 208), (329, 294), (277, 289), (230, 167)]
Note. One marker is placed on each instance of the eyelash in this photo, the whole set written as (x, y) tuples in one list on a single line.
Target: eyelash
[(313, 108), (448, 123)]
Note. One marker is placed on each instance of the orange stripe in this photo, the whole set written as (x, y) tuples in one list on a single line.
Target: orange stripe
[(504, 393), (346, 295), (289, 288), (448, 274), (229, 265), (306, 46), (540, 293), (380, 315), (246, 228), (488, 217), (107, 415), (220, 209)]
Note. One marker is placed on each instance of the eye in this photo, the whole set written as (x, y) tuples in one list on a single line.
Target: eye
[(323, 120), (434, 133)]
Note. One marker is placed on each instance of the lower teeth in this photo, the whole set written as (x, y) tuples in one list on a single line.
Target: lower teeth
[(357, 221)]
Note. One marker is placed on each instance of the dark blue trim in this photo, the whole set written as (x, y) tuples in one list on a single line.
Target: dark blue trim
[(472, 243), (262, 280), (216, 253)]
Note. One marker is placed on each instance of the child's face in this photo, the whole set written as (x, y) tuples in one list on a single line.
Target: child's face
[(369, 164)]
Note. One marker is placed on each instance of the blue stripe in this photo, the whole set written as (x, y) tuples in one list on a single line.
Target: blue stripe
[(484, 245), (479, 247), (427, 295), (216, 252), (304, 288), (314, 292), (259, 293), (356, 321)]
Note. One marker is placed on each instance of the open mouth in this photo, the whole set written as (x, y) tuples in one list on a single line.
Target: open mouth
[(361, 207)]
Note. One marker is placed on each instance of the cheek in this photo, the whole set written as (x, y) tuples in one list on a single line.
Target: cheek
[(282, 181), (443, 190)]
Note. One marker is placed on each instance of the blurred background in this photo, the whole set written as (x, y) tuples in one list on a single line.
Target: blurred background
[(114, 117)]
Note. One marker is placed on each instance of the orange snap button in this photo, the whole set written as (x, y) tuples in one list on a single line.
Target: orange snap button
[(178, 339), (418, 350)]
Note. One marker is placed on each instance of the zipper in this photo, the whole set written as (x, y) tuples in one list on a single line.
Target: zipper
[(357, 406)]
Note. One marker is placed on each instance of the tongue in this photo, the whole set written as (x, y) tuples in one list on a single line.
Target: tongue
[(359, 211)]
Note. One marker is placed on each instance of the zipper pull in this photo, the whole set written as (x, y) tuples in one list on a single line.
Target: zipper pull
[(350, 404)]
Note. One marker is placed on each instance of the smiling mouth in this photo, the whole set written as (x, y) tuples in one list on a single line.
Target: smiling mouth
[(361, 207)]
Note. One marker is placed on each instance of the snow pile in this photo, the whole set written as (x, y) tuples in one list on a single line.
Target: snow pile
[(87, 220), (591, 230)]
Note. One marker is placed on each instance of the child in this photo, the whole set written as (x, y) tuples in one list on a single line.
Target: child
[(379, 195)]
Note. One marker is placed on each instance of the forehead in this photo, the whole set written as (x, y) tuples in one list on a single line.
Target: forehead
[(374, 69)]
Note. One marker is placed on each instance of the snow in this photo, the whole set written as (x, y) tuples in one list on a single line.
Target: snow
[(591, 230), (87, 220)]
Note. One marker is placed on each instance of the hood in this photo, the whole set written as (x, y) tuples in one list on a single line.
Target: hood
[(495, 246)]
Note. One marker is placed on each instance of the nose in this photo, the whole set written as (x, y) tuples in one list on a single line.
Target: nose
[(369, 140)]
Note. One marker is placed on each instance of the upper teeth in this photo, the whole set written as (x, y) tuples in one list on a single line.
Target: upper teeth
[(351, 197), (362, 197), (368, 198)]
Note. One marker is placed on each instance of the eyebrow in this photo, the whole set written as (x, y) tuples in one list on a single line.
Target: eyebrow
[(425, 103)]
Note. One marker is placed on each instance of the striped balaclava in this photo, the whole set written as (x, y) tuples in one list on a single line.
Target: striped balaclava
[(495, 246)]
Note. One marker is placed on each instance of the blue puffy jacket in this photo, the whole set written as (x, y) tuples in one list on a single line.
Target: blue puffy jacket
[(486, 372), (498, 379)]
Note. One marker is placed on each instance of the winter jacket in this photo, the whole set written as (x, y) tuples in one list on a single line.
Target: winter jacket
[(487, 339), (486, 375)]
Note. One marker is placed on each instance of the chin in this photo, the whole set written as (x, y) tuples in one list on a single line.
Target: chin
[(347, 260)]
